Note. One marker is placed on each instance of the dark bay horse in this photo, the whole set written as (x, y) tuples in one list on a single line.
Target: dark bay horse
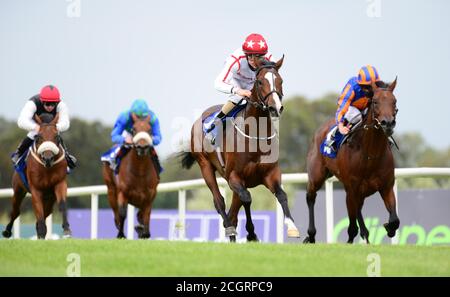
[(364, 164), (46, 172), (248, 156), (136, 181)]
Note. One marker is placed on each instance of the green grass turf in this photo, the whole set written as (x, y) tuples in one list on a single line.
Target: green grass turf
[(164, 258)]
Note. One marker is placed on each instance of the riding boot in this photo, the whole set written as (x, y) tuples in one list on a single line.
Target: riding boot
[(21, 149), (71, 160), (226, 108), (330, 142), (155, 159)]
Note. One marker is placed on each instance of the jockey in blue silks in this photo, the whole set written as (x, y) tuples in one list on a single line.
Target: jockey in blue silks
[(352, 103), (122, 131)]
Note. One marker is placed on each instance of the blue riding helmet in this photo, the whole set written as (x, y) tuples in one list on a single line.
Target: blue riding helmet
[(140, 108)]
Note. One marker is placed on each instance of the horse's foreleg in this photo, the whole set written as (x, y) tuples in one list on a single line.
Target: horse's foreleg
[(317, 174), (236, 204), (139, 228), (251, 235), (273, 183), (389, 201), (61, 194), (112, 192), (146, 221), (17, 198), (311, 200), (352, 210), (364, 232), (38, 207), (219, 202), (122, 212)]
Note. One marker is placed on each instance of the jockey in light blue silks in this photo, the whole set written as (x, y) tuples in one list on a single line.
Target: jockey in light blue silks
[(122, 131)]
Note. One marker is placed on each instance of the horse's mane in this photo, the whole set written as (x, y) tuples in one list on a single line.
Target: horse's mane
[(46, 118)]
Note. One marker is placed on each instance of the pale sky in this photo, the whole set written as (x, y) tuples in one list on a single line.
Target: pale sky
[(169, 53)]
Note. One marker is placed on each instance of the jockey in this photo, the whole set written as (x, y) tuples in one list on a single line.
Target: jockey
[(353, 102), (47, 101), (239, 74), (122, 133)]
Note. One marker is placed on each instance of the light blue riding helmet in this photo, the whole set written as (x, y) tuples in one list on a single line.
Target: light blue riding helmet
[(140, 108)]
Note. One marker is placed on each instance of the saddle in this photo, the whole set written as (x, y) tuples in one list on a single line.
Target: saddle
[(232, 114)]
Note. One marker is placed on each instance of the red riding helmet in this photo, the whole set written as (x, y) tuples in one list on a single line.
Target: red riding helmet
[(49, 94), (255, 44)]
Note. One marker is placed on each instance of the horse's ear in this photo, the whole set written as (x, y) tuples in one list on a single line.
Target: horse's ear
[(37, 119), (147, 119), (55, 119), (392, 85), (279, 63), (374, 86), (134, 117)]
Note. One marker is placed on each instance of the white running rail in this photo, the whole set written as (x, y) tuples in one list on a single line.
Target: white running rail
[(182, 186)]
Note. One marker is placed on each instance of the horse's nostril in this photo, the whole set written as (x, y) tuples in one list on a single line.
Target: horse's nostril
[(281, 109)]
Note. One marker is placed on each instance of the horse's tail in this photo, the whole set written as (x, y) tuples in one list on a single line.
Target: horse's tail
[(187, 160)]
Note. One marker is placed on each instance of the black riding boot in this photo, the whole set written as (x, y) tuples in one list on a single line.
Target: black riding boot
[(71, 160), (156, 162), (21, 149)]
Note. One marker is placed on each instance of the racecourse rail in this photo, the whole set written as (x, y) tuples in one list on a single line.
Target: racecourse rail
[(182, 186)]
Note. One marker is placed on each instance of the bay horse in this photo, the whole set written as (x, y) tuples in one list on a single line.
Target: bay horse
[(251, 166), (364, 164), (46, 171), (136, 180)]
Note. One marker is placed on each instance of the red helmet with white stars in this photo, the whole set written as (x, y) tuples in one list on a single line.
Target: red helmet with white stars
[(255, 44)]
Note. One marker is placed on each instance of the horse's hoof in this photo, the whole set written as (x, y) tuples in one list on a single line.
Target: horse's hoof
[(6, 234), (139, 230), (309, 240), (144, 235), (252, 237), (120, 235), (233, 238), (230, 231), (293, 233), (389, 229), (67, 234)]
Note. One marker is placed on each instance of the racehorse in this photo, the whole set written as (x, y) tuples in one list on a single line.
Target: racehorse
[(136, 180), (46, 170), (364, 164), (246, 168)]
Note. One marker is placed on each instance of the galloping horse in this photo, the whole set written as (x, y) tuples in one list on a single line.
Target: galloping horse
[(246, 168), (46, 170), (136, 181), (364, 164)]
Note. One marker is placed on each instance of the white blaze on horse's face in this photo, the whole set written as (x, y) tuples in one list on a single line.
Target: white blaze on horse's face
[(270, 76)]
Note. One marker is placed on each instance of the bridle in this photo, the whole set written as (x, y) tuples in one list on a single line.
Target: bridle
[(261, 103), (35, 151)]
